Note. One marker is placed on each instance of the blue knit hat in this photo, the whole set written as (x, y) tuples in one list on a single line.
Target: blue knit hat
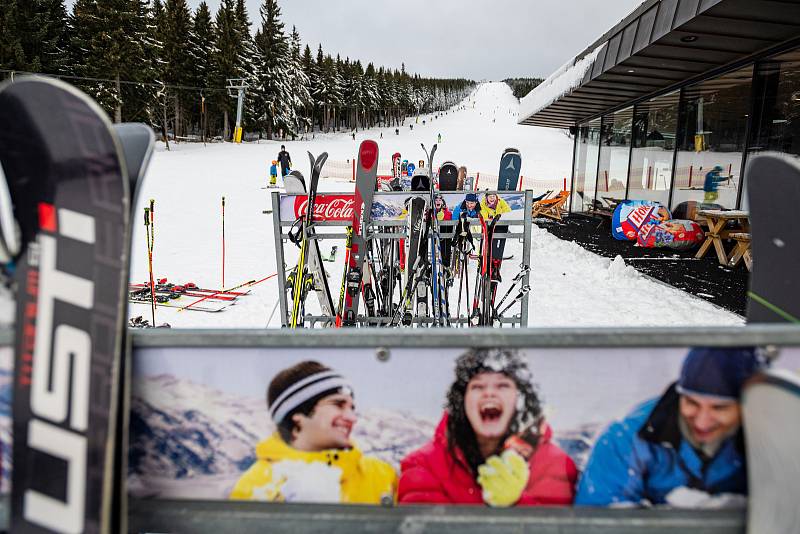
[(717, 371), (471, 197)]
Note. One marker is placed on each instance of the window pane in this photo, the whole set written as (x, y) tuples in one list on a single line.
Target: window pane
[(586, 166), (615, 142), (776, 123), (654, 125), (711, 136)]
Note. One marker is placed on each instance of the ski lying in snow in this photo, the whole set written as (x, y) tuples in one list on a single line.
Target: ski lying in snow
[(366, 176), (179, 291), (209, 306), (295, 185), (70, 190), (773, 189)]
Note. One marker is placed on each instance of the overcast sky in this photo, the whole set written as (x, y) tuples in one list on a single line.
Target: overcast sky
[(478, 39)]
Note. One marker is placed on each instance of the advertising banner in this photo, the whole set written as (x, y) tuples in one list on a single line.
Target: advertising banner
[(391, 206), (434, 425)]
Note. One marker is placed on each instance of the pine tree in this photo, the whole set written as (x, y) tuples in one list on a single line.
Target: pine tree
[(108, 46), (33, 36), (273, 54), (226, 60), (12, 53), (177, 60), (202, 52)]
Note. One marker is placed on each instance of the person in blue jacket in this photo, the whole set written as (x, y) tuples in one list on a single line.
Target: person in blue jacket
[(470, 205), (711, 184), (690, 437)]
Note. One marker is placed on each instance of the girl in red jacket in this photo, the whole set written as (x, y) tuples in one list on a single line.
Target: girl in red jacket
[(492, 445)]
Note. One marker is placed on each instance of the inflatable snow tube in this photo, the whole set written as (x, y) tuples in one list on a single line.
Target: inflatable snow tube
[(630, 215), (676, 234)]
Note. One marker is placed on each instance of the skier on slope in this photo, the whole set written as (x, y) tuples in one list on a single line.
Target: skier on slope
[(311, 458), (469, 205), (285, 160), (711, 184), (273, 174), (492, 205)]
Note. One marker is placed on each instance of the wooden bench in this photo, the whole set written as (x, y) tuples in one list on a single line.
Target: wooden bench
[(742, 251)]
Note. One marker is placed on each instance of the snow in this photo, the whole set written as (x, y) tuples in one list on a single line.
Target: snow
[(561, 82), (570, 286)]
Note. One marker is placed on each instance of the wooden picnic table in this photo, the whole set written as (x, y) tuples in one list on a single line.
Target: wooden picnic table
[(717, 230)]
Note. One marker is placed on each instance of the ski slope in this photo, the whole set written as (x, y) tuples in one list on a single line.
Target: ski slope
[(570, 286)]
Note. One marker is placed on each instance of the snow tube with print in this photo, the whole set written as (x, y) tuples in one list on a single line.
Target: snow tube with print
[(676, 234), (630, 215)]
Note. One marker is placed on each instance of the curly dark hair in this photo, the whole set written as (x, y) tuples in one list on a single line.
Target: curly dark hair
[(528, 415)]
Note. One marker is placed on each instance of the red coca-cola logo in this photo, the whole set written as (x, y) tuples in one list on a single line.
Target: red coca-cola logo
[(326, 207)]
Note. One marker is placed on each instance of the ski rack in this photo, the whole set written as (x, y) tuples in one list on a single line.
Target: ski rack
[(394, 230)]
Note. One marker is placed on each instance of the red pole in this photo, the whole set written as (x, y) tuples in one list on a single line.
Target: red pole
[(223, 242), (522, 179), (565, 184), (606, 173), (691, 168), (354, 171), (477, 178)]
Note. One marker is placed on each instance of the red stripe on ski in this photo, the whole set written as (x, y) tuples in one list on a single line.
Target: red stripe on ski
[(47, 217)]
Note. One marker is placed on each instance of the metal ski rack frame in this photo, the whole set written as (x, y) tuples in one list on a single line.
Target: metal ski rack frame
[(395, 230)]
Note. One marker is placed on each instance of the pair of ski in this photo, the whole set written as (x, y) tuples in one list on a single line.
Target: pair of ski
[(67, 178), (310, 273)]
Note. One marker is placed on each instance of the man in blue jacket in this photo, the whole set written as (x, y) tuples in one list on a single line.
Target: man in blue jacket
[(469, 205), (690, 437)]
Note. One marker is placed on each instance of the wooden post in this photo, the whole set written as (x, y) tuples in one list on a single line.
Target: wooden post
[(691, 168)]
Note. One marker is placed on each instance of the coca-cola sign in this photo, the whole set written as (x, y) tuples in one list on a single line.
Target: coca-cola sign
[(326, 207)]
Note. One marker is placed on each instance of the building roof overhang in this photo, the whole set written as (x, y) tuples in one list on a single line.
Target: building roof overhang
[(661, 44)]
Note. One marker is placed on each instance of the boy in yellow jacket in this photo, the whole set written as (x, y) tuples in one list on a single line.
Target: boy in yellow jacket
[(311, 457), (493, 205)]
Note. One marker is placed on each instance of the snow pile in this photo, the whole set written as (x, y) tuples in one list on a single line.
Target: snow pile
[(561, 82), (571, 286)]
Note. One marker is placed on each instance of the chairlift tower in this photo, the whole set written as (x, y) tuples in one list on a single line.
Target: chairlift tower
[(236, 88)]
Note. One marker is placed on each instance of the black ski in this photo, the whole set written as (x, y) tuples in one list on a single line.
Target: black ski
[(773, 187), (70, 190)]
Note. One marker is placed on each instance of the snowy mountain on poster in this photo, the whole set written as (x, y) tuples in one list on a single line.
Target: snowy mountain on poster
[(180, 430)]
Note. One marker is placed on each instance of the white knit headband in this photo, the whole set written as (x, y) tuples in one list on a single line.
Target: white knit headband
[(303, 390)]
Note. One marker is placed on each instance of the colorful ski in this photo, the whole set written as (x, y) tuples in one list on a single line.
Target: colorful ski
[(63, 164), (295, 185), (303, 280), (366, 175)]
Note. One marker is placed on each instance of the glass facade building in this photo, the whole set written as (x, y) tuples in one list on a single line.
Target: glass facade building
[(663, 148)]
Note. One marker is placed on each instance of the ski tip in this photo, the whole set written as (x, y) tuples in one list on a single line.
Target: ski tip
[(368, 154)]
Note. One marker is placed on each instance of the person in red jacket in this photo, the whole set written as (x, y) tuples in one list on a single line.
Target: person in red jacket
[(492, 445)]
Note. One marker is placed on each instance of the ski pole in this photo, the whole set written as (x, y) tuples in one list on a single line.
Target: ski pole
[(148, 222), (517, 279), (274, 309), (223, 241), (522, 291), (249, 283)]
